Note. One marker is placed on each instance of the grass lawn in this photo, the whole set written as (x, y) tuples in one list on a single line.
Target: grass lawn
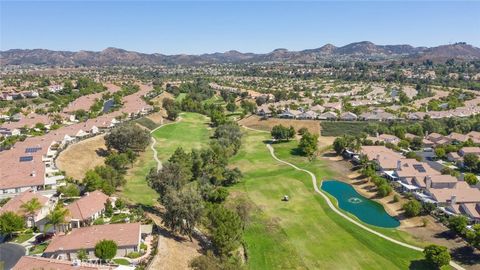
[(38, 249), (191, 132), (305, 232), (22, 237), (121, 261)]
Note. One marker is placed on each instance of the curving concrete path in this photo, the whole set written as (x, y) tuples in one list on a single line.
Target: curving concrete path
[(336, 210)]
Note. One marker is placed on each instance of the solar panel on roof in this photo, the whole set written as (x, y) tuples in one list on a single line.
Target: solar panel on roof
[(24, 159), (419, 168), (32, 149)]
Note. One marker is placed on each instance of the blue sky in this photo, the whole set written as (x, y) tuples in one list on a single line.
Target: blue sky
[(206, 27)]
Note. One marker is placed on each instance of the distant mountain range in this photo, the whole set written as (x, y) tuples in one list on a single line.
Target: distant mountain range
[(364, 50)]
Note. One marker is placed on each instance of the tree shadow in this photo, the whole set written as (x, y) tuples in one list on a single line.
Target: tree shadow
[(466, 255), (296, 151), (101, 152), (420, 265)]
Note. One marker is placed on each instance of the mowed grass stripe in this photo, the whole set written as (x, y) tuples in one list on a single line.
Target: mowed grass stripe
[(316, 237)]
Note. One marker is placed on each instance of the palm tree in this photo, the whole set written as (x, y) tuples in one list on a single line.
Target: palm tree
[(30, 208), (57, 217)]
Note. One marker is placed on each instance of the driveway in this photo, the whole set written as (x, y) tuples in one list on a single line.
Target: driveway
[(10, 254)]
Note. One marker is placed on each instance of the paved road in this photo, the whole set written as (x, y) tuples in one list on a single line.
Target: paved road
[(330, 204), (10, 254)]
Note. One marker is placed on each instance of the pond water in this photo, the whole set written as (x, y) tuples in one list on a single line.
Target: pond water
[(107, 106), (363, 208)]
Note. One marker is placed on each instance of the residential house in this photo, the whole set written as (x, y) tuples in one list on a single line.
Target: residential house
[(328, 116), (127, 236), (348, 116), (264, 111), (86, 209), (35, 263), (385, 158), (469, 150), (38, 219), (308, 115)]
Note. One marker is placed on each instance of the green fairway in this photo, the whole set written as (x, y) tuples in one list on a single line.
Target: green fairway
[(304, 232), (192, 131)]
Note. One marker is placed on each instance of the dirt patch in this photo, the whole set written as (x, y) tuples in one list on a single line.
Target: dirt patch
[(156, 117), (82, 156), (174, 253), (257, 122)]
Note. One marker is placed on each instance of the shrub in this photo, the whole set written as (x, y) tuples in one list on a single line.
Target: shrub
[(384, 190), (412, 208), (437, 255), (134, 255), (396, 198)]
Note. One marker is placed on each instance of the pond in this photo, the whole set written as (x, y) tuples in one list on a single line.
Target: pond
[(108, 105), (363, 208)]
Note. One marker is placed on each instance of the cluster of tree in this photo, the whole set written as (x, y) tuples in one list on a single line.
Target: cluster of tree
[(192, 190), (437, 256), (414, 208), (123, 143), (282, 133), (369, 170), (458, 224)]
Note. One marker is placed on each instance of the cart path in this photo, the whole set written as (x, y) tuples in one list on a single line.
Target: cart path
[(154, 142), (336, 210)]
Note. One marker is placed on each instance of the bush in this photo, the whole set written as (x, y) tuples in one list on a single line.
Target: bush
[(106, 249), (384, 190), (134, 255), (412, 208), (396, 198)]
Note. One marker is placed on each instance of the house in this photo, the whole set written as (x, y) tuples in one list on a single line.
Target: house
[(264, 111), (385, 158), (454, 157), (387, 138), (348, 116), (377, 115), (436, 138), (469, 150), (414, 175), (461, 193), (290, 114), (328, 116), (55, 88), (38, 218), (34, 263), (127, 236), (471, 210), (317, 108), (9, 132), (86, 209), (308, 115), (457, 137), (475, 136)]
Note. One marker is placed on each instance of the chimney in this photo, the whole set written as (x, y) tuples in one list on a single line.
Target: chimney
[(399, 165), (376, 135), (378, 157), (33, 174), (428, 181), (453, 200)]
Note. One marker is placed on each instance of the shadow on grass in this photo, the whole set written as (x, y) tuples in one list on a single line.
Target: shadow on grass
[(420, 265), (466, 255)]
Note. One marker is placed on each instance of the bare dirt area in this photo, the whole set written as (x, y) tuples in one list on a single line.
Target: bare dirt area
[(174, 253), (81, 157), (158, 102), (257, 122), (433, 232), (157, 117)]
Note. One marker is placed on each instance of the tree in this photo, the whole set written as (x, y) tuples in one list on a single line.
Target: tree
[(308, 144), (118, 161), (471, 179), (127, 137), (232, 176), (170, 177), (226, 227), (279, 132), (92, 180), (70, 190), (412, 208), (473, 236), (339, 145), (120, 204), (470, 161), (458, 224), (183, 210), (30, 208), (231, 107), (10, 223), (108, 208), (82, 255), (57, 216), (106, 250), (440, 152), (437, 255)]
